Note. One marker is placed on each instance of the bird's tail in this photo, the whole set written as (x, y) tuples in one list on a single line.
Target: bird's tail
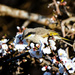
[(64, 38)]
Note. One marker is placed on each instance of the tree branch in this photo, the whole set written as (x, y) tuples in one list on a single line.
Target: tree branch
[(67, 21), (57, 7), (16, 13)]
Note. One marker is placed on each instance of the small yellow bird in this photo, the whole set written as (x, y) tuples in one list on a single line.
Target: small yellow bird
[(39, 33)]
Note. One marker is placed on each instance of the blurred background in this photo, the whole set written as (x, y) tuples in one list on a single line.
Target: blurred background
[(8, 24)]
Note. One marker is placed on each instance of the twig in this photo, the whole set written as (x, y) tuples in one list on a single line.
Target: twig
[(45, 62), (67, 50), (74, 45), (63, 30), (67, 43), (26, 23), (68, 13), (57, 7), (63, 24), (49, 5)]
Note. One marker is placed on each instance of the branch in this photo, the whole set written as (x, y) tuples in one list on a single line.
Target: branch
[(63, 30), (16, 13), (26, 23), (67, 21), (57, 7), (67, 50), (74, 45), (51, 4), (67, 43), (68, 13)]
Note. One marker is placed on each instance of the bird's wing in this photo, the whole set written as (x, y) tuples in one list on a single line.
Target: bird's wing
[(50, 33)]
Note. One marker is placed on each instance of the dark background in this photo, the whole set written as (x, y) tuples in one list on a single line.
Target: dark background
[(8, 24)]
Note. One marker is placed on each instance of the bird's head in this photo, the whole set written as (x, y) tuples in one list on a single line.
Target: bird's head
[(29, 35)]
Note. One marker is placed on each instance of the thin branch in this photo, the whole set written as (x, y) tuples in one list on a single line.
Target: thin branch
[(26, 23), (68, 13), (67, 43), (57, 7), (67, 50), (51, 4), (74, 45), (63, 24)]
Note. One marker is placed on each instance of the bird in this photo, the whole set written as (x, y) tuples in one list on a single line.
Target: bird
[(36, 34), (40, 31)]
